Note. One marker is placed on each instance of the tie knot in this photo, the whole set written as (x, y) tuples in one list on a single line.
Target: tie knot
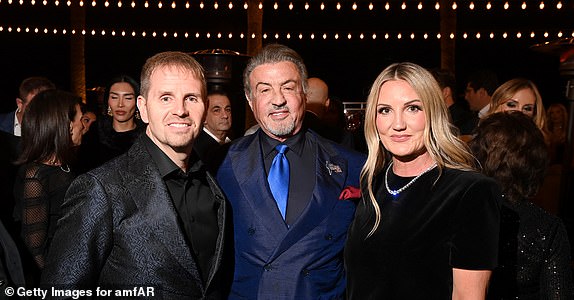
[(281, 148)]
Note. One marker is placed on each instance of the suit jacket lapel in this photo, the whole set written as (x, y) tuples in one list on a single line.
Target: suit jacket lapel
[(331, 170), (153, 202), (249, 160)]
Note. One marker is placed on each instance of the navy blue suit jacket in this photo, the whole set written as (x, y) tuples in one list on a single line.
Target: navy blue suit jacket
[(7, 122), (304, 261)]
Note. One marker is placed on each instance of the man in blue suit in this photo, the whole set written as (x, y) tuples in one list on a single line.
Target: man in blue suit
[(290, 248)]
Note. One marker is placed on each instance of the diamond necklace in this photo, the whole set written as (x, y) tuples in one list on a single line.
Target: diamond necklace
[(396, 192)]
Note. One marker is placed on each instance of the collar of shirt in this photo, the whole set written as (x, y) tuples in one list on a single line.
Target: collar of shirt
[(165, 165), (482, 113), (227, 139), (295, 143), (17, 126)]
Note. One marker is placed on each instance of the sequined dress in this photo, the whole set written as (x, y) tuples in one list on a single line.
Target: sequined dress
[(534, 255)]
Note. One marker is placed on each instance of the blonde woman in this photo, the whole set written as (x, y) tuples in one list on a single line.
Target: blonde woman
[(427, 224), (520, 94)]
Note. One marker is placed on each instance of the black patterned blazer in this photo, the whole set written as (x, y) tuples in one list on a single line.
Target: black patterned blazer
[(120, 230)]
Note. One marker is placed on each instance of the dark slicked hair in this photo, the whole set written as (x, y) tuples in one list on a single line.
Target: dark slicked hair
[(511, 149), (272, 54)]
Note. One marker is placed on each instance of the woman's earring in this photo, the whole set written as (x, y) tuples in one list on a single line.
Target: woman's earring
[(137, 115), (110, 112)]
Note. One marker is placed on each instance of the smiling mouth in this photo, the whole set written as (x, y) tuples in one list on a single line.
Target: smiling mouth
[(179, 125)]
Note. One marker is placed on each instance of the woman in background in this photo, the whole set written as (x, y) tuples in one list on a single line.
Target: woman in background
[(427, 224), (557, 126), (113, 134), (51, 131), (534, 259), (522, 95)]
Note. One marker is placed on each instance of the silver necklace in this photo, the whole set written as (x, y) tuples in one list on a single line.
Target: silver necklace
[(396, 192)]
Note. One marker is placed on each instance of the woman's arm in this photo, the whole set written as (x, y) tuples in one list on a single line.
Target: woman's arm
[(35, 209), (469, 284)]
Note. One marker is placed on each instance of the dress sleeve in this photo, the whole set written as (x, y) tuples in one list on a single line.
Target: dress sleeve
[(35, 208), (555, 273), (476, 226)]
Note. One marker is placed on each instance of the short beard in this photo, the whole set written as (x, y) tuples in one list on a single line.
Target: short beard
[(282, 130)]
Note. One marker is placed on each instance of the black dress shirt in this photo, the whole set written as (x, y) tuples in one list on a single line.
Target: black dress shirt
[(302, 168), (194, 202)]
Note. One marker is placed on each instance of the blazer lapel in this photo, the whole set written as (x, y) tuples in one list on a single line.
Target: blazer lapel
[(153, 202), (331, 170), (249, 160)]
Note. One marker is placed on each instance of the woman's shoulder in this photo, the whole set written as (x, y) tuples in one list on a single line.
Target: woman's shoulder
[(466, 175), (36, 170), (533, 215)]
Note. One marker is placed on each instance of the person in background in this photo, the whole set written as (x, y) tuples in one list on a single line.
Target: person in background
[(88, 118), (427, 224), (51, 132), (152, 217), (461, 116), (557, 127), (114, 133), (479, 89), (318, 114), (284, 184), (10, 132), (11, 122), (534, 259), (216, 129), (522, 95)]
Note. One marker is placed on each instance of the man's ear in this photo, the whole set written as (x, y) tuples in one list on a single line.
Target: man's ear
[(446, 92), (482, 92), (249, 101), (19, 104), (142, 107)]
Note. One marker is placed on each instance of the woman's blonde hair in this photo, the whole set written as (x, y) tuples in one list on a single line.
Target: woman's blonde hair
[(508, 89), (444, 147)]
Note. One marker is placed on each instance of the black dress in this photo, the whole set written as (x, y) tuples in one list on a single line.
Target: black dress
[(39, 191), (425, 231), (534, 255), (102, 143)]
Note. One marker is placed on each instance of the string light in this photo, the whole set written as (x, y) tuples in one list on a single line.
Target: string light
[(387, 6), (437, 6), (524, 5), (354, 6), (454, 6), (420, 6), (541, 5), (559, 5), (471, 5), (173, 5), (488, 6), (371, 6), (506, 5), (403, 6), (290, 5), (338, 6)]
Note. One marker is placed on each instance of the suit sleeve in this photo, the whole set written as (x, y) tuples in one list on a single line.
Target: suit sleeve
[(83, 238)]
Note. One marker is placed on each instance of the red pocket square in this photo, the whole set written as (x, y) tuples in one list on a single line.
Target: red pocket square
[(350, 192)]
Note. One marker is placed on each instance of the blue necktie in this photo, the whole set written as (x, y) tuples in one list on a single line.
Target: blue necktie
[(279, 179)]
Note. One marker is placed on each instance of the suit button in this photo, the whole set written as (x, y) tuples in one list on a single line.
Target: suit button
[(328, 237), (251, 231), (268, 267), (305, 272)]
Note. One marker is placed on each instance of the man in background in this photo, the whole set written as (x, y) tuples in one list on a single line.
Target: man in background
[(11, 122), (216, 128)]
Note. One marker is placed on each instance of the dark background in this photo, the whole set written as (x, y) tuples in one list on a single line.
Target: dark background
[(348, 66)]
